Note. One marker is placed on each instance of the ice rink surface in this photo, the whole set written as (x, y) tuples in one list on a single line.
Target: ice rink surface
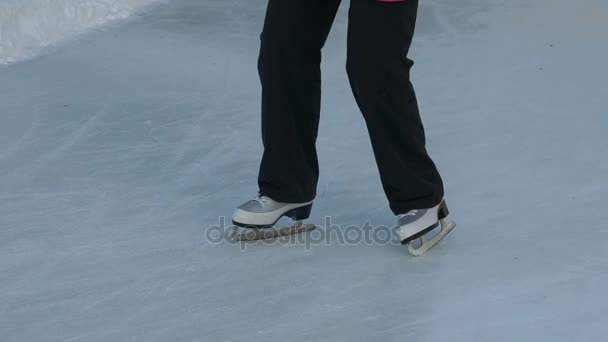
[(118, 150)]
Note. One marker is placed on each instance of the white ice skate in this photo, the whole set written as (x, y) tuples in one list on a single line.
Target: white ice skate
[(415, 225), (254, 220)]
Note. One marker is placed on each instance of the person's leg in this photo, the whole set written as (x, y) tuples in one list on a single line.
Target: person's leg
[(379, 37), (289, 66)]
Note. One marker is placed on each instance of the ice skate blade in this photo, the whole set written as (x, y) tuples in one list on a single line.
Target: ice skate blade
[(427, 244), (263, 234)]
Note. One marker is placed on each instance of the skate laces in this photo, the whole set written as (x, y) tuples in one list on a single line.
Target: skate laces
[(409, 213), (263, 200)]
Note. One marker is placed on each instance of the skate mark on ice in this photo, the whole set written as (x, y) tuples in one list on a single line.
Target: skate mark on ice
[(21, 141), (76, 135)]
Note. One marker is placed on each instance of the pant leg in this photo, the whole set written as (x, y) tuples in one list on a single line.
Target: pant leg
[(379, 37), (289, 66)]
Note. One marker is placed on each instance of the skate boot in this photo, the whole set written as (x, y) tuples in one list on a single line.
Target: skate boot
[(255, 218), (416, 224)]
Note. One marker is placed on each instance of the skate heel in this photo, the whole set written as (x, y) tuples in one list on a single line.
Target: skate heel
[(301, 213), (427, 242), (443, 211)]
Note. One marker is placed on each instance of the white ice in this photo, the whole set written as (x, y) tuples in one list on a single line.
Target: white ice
[(119, 149), (27, 27)]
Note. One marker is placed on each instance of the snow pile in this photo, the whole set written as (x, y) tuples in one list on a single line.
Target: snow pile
[(28, 26)]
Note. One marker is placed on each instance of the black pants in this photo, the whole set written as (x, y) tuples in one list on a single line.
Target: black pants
[(379, 37)]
